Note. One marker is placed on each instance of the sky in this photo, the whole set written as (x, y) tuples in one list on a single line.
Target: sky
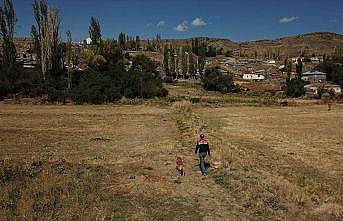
[(238, 20)]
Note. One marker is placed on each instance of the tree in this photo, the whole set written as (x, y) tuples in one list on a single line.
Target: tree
[(143, 80), (36, 42), (122, 40), (191, 66), (184, 62), (48, 23), (295, 88), (7, 22), (289, 70), (172, 67), (299, 68), (95, 34), (166, 60), (8, 72), (214, 80), (138, 43), (333, 67), (69, 56)]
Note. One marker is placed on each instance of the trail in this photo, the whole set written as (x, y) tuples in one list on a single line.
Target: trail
[(213, 200)]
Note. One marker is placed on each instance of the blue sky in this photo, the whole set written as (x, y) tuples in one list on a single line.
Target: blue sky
[(238, 20)]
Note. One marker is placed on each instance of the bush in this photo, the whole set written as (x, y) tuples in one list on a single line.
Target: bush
[(143, 80), (95, 88), (214, 80), (295, 88), (4, 89)]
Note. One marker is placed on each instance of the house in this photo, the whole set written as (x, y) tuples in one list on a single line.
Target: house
[(315, 60), (311, 89), (271, 62), (88, 41), (29, 64), (314, 89), (257, 75), (334, 87), (314, 76)]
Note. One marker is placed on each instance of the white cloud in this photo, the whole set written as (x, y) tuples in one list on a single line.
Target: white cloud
[(184, 26), (161, 23), (285, 20), (198, 22)]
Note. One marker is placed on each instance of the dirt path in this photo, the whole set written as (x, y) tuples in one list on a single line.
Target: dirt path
[(213, 200)]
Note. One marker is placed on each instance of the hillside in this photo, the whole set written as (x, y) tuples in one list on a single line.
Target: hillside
[(318, 43)]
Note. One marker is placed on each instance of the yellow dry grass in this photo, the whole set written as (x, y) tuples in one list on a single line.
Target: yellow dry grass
[(118, 162)]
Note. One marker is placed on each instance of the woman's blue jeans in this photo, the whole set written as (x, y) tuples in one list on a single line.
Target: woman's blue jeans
[(202, 161)]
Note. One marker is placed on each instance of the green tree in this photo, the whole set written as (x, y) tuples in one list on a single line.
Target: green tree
[(7, 22), (122, 40), (184, 61), (172, 66), (295, 88), (191, 66), (95, 34), (8, 69), (143, 80), (166, 60), (36, 42), (69, 58), (214, 80), (48, 23), (138, 43), (299, 68), (289, 69)]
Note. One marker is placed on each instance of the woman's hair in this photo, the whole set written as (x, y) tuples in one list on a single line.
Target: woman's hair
[(202, 136)]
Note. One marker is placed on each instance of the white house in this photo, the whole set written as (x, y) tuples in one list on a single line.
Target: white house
[(311, 89), (336, 88), (315, 60), (314, 76), (253, 76), (88, 41)]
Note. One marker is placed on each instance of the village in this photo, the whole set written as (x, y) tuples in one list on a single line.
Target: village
[(254, 75)]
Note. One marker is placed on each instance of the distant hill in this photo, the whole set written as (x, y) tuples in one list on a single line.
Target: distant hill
[(318, 43)]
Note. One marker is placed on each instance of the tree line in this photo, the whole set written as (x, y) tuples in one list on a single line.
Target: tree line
[(107, 74), (187, 61)]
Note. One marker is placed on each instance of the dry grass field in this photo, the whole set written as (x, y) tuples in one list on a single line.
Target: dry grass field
[(118, 162)]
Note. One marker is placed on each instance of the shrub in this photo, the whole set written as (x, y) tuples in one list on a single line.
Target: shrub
[(214, 80), (95, 88), (143, 80), (4, 88), (295, 88)]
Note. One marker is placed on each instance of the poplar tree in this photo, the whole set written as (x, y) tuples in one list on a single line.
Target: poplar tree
[(48, 25), (95, 34), (166, 60), (138, 43), (192, 66), (122, 40), (299, 68), (7, 22), (8, 74)]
